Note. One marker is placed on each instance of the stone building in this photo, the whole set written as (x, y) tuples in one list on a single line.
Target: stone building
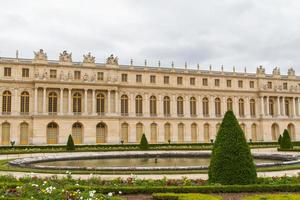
[(43, 101)]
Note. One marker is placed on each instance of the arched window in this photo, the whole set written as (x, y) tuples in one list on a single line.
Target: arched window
[(139, 132), (6, 102), (275, 132), (229, 104), (291, 129), (179, 106), (153, 106), (254, 132), (205, 107), (218, 107), (194, 132), (180, 133), (77, 103), (167, 106), (101, 133), (153, 128), (167, 132), (100, 104), (124, 105), (241, 108), (287, 107), (139, 105), (252, 108), (23, 133), (77, 133), (206, 133), (124, 132), (5, 133), (193, 106), (52, 102), (24, 102), (52, 133), (271, 107)]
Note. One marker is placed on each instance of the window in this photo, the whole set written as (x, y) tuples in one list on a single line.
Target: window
[(193, 108), (152, 78), (167, 132), (251, 84), (124, 77), (181, 133), (100, 104), (271, 107), (100, 76), (124, 105), (217, 82), (7, 71), (124, 132), (192, 81), (228, 82), (229, 104), (52, 73), (101, 133), (25, 72), (218, 107), (5, 133), (167, 106), (179, 80), (287, 107), (285, 86), (153, 106), (77, 75), (240, 84), (6, 102), (77, 103), (139, 132), (52, 133), (139, 105), (206, 132), (153, 133), (23, 133), (138, 78), (205, 82), (180, 106), (241, 108), (52, 103), (166, 79), (252, 108), (24, 103), (77, 133), (269, 85), (205, 107)]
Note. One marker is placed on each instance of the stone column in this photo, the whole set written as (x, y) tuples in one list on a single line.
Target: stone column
[(44, 101), (35, 101), (147, 106), (293, 106), (173, 106), (235, 106), (70, 101), (17, 103), (117, 102), (93, 102), (247, 108), (268, 109), (61, 101), (186, 106), (262, 108), (200, 107), (223, 106), (132, 105), (108, 102), (85, 101), (160, 107), (212, 107)]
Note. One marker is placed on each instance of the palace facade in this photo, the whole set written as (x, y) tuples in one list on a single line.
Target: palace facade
[(43, 101)]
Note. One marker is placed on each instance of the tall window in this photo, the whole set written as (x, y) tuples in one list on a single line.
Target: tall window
[(6, 102), (153, 128), (251, 84), (217, 82), (287, 107), (100, 104), (271, 107), (218, 107), (25, 72), (23, 133), (124, 132), (139, 132), (193, 106), (179, 80), (180, 106), (139, 105), (77, 75), (124, 77), (77, 103), (77, 133), (101, 133), (52, 102), (52, 133), (205, 106), (228, 82), (138, 78), (52, 73), (167, 106), (180, 133), (252, 108), (229, 104), (241, 108), (124, 105), (206, 133), (254, 132), (152, 78), (194, 132), (166, 79), (24, 103), (240, 84), (100, 76), (192, 81), (153, 106), (205, 82), (167, 132), (7, 71), (5, 133)]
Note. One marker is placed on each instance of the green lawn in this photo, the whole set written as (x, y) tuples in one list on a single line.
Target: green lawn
[(274, 197), (173, 196)]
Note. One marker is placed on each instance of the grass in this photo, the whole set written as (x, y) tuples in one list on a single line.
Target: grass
[(274, 197), (173, 196)]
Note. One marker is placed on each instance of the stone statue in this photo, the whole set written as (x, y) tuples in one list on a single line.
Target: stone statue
[(61, 75), (70, 76), (40, 55), (36, 74), (276, 71), (88, 58), (260, 70), (111, 60), (85, 77), (65, 57), (93, 77), (291, 72), (45, 75)]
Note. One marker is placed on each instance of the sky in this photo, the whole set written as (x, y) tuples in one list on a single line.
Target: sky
[(240, 33)]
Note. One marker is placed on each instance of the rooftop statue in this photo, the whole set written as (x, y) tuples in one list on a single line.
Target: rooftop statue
[(276, 71), (291, 72), (65, 57), (111, 60), (260, 70), (40, 55), (88, 58)]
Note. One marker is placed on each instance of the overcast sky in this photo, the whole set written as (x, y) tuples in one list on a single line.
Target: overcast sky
[(241, 33)]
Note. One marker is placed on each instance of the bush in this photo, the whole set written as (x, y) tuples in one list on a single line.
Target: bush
[(70, 144), (173, 196), (144, 143), (274, 197), (279, 139), (286, 142), (231, 161)]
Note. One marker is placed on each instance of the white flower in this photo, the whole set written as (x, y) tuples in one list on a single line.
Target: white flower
[(110, 194), (50, 189), (76, 184), (92, 193), (120, 192)]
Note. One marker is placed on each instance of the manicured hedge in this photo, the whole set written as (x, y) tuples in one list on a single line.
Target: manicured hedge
[(274, 197), (173, 196)]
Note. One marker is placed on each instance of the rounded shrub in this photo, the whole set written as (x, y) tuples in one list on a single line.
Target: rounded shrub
[(70, 144), (279, 139), (144, 143), (286, 142), (231, 161)]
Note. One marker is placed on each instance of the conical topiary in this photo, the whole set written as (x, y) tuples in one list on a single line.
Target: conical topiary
[(286, 142), (70, 144), (279, 139), (231, 161), (144, 143)]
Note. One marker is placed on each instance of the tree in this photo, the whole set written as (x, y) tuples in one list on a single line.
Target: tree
[(70, 144), (144, 143), (231, 161), (279, 139), (286, 142)]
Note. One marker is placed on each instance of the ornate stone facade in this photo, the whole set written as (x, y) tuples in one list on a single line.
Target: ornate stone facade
[(44, 102)]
